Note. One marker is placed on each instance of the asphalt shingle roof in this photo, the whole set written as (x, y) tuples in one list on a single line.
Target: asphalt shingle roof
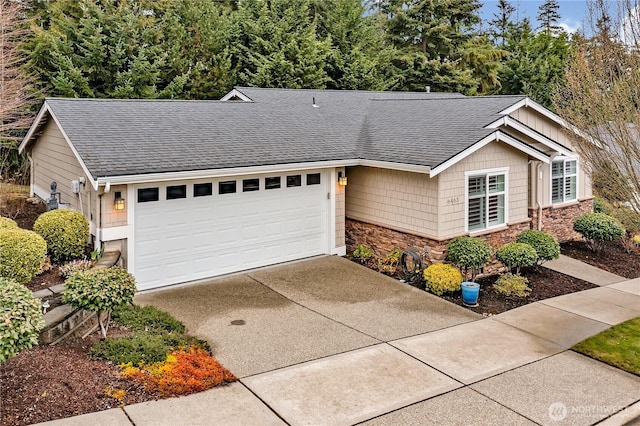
[(129, 137)]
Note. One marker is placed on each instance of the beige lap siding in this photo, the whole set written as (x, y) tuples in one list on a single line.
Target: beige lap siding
[(110, 216), (400, 200), (452, 184), (561, 135), (54, 160)]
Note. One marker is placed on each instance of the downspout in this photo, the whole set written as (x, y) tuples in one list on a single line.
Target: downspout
[(538, 179), (31, 186), (107, 188)]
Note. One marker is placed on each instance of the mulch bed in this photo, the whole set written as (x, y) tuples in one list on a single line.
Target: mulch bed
[(53, 382), (544, 284), (614, 258)]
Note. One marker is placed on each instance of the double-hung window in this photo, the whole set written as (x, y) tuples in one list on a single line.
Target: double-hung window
[(486, 199), (564, 181)]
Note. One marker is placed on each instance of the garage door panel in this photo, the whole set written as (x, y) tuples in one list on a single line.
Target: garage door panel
[(194, 238)]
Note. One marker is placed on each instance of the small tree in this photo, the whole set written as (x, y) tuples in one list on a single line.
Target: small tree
[(597, 229), (468, 254), (20, 319), (100, 290), (545, 245), (517, 255)]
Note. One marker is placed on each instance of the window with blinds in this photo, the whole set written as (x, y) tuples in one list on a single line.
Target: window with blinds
[(485, 201), (564, 181)]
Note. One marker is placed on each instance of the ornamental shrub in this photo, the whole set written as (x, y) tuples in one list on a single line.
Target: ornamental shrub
[(22, 254), (517, 255), (182, 372), (20, 319), (442, 278), (362, 253), (545, 245), (389, 265), (6, 223), (100, 290), (468, 254), (597, 229), (512, 285), (147, 318), (70, 268), (66, 233)]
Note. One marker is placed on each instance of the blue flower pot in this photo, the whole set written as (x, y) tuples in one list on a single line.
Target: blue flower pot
[(470, 293)]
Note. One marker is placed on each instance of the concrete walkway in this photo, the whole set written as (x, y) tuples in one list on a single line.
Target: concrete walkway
[(426, 368), (577, 269)]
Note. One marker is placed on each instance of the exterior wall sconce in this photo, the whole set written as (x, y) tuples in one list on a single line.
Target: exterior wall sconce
[(118, 201), (342, 180)]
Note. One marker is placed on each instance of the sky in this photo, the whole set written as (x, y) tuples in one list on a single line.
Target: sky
[(571, 12)]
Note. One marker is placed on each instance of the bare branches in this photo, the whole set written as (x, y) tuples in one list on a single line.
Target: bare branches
[(602, 99), (16, 92)]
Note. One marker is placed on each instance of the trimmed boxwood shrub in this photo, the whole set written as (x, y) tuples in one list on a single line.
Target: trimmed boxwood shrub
[(20, 318), (468, 254), (66, 233), (597, 229), (512, 285), (517, 255), (100, 290), (442, 278), (22, 254), (546, 246), (6, 223)]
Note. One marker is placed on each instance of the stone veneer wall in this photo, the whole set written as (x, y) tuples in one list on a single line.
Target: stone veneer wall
[(558, 221), (382, 240)]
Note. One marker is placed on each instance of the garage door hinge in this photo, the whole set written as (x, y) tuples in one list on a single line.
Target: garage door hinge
[(328, 195)]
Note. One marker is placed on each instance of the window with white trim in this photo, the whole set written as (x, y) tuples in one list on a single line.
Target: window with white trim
[(486, 198), (564, 181)]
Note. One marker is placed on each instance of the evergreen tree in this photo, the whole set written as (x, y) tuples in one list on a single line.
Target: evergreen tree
[(277, 45), (433, 38), (535, 64), (502, 22), (548, 17), (359, 58)]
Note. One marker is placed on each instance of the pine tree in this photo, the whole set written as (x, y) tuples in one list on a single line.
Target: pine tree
[(359, 58), (277, 45), (433, 38), (535, 64), (548, 17), (502, 21)]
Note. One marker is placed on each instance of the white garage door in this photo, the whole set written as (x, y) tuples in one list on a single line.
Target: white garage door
[(186, 231)]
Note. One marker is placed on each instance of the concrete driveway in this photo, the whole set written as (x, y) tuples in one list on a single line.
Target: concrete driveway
[(283, 315)]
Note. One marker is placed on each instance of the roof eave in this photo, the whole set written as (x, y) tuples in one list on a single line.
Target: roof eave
[(496, 136)]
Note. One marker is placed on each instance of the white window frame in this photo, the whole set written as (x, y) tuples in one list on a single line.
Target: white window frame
[(564, 161), (486, 173)]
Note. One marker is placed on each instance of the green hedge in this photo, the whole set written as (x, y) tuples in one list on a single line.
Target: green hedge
[(20, 318), (66, 233), (22, 254)]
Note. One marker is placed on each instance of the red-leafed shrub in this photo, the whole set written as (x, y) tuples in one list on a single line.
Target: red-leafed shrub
[(182, 373)]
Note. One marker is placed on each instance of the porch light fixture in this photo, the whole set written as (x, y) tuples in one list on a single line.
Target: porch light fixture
[(118, 201), (342, 180)]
